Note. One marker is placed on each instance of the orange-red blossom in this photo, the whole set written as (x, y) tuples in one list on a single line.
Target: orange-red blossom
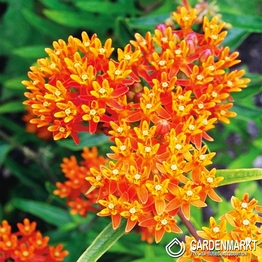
[(158, 164), (27, 244)]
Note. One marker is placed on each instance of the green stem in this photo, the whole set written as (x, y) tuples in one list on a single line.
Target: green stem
[(103, 242)]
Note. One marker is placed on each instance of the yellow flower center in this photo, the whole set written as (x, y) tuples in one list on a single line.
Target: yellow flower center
[(123, 148), (25, 253), (62, 129), (102, 91), (115, 172), (164, 84), (210, 180), (162, 62), (244, 205), (173, 167), (132, 210), (178, 52), (216, 229), (178, 146), (92, 112), (214, 94), (68, 111), (181, 108), (127, 57), (246, 222), (118, 72), (57, 93), (149, 106), (84, 77), (189, 193), (158, 187), (191, 127), (164, 222), (148, 149), (202, 157), (102, 50), (137, 176), (111, 206), (199, 77), (119, 129), (39, 242), (98, 178)]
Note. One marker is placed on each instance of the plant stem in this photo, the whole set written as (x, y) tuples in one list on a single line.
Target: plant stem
[(189, 225)]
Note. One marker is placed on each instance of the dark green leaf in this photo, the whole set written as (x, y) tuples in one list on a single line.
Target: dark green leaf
[(45, 26), (86, 20), (12, 107), (4, 149), (147, 22), (86, 140), (50, 214), (123, 31), (30, 51)]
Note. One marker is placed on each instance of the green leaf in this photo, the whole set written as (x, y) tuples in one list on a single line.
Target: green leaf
[(12, 107), (235, 37), (102, 243), (156, 258), (30, 51), (245, 112), (147, 22), (104, 7), (232, 176), (4, 149), (86, 140), (45, 26), (247, 22), (123, 31), (14, 83), (86, 20), (50, 214)]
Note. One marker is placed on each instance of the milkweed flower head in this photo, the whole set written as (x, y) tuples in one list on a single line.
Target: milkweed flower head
[(156, 103), (27, 244), (242, 223)]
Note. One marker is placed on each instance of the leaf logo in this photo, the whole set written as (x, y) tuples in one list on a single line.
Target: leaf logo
[(174, 242)]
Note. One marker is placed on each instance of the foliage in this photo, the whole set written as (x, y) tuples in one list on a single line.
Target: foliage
[(30, 166)]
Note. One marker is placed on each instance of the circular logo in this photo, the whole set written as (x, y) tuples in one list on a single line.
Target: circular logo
[(176, 242)]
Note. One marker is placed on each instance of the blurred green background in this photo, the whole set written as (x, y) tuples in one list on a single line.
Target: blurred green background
[(29, 166)]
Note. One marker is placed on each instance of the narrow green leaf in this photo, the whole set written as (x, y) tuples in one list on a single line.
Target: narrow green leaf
[(12, 107), (50, 214), (45, 26), (123, 31), (147, 22), (15, 83), (102, 243), (104, 7), (245, 112), (35, 51), (86, 140), (81, 19), (246, 22), (235, 37), (4, 149), (232, 176)]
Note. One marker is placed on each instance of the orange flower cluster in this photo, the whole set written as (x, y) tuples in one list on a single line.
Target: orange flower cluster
[(76, 185), (156, 103), (245, 222), (27, 244)]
